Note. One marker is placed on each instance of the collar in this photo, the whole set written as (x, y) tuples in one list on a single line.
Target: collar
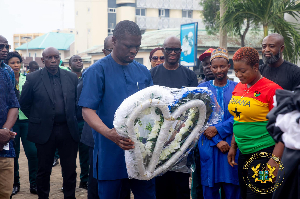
[(2, 64), (55, 75)]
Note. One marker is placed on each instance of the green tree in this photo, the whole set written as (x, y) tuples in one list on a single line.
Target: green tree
[(211, 15), (211, 19), (270, 15)]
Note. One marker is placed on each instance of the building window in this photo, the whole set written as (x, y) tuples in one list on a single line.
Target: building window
[(161, 13), (140, 60), (77, 32), (28, 54), (187, 14), (140, 12), (111, 10), (34, 54), (110, 31), (76, 12), (88, 9)]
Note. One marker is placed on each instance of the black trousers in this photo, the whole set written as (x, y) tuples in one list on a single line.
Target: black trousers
[(172, 185), (62, 140), (246, 192), (93, 182), (290, 185)]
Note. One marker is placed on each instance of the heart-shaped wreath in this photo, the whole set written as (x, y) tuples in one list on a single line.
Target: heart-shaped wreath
[(164, 124)]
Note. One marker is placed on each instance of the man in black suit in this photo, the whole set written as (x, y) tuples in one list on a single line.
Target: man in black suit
[(49, 101)]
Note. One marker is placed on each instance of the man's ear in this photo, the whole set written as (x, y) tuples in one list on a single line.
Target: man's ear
[(281, 48), (114, 40)]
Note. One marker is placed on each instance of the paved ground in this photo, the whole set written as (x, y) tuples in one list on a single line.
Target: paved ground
[(55, 184)]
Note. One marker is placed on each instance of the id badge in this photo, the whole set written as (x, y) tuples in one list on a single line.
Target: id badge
[(6, 147)]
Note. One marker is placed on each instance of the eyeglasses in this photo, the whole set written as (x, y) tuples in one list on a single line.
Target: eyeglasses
[(170, 50), (155, 58), (109, 50), (2, 46), (51, 57)]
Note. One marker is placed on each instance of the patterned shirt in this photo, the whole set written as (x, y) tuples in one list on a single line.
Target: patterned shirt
[(250, 106), (8, 100), (10, 72)]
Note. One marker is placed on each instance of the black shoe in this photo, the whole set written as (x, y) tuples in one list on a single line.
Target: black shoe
[(16, 189), (83, 185), (33, 189), (55, 162)]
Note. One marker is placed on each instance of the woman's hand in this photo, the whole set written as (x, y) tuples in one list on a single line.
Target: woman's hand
[(231, 156)]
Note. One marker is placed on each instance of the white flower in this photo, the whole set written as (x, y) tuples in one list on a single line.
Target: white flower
[(152, 135), (148, 145), (189, 123), (147, 111)]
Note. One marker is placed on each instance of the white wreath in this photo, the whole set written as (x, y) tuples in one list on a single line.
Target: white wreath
[(139, 104)]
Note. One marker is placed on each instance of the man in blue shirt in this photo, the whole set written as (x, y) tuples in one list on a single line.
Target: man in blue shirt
[(8, 115), (214, 143), (105, 85)]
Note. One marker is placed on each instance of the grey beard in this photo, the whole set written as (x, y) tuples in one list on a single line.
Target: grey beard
[(273, 59)]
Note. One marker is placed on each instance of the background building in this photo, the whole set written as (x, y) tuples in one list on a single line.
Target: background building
[(64, 42), (96, 19), (20, 39), (153, 39)]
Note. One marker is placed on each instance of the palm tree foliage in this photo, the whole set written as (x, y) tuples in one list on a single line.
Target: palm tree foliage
[(270, 15)]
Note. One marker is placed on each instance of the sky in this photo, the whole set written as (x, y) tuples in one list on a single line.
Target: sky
[(35, 16)]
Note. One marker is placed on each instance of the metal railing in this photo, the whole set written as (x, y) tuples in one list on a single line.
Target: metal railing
[(163, 22), (170, 4)]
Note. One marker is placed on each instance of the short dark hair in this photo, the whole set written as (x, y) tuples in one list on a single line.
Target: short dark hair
[(128, 27), (70, 60), (32, 63), (11, 55)]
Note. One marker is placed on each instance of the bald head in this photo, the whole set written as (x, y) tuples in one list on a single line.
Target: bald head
[(108, 45), (50, 50), (3, 40), (277, 37), (272, 48), (172, 41), (4, 48), (108, 42), (172, 51), (51, 59)]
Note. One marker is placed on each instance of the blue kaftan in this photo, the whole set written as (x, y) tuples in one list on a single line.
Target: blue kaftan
[(105, 85), (214, 164)]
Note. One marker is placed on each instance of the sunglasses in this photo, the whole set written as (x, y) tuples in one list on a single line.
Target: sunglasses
[(2, 46), (170, 50), (155, 58), (109, 50)]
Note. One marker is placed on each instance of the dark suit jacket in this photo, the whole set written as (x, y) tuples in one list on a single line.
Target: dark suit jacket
[(87, 134), (37, 104)]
